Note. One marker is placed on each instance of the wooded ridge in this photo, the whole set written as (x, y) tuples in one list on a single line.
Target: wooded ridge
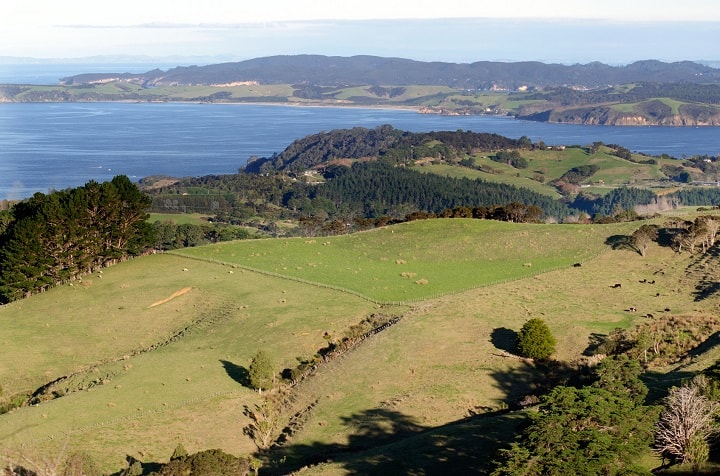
[(337, 71), (641, 93)]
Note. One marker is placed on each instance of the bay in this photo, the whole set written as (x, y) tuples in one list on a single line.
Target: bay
[(58, 145)]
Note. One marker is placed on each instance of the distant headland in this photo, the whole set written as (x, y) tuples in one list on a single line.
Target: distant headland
[(639, 94)]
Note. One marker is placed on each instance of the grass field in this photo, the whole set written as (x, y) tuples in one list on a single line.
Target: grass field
[(442, 377), (417, 260), (507, 175), (103, 329), (163, 367), (613, 172), (631, 107)]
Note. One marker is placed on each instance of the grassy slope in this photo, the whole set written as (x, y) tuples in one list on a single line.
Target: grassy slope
[(504, 174), (179, 392), (422, 375), (552, 164), (630, 107), (449, 355), (417, 260)]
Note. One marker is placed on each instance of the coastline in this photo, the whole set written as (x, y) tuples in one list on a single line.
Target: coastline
[(424, 110)]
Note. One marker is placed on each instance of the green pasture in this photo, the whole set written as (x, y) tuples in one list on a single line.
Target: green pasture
[(142, 398), (624, 107), (613, 170), (475, 100), (103, 320), (508, 176), (552, 164), (419, 259), (411, 386), (412, 92), (237, 92), (514, 104), (446, 360), (631, 107)]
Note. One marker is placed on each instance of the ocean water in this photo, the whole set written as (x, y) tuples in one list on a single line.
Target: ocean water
[(58, 145)]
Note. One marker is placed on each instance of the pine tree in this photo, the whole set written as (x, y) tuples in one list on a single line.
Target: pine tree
[(261, 373), (535, 340)]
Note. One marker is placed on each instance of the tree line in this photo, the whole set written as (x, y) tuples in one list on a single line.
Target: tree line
[(54, 238), (366, 190)]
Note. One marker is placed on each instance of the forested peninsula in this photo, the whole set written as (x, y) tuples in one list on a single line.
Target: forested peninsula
[(639, 94)]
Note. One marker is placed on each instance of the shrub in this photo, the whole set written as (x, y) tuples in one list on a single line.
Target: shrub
[(261, 373), (180, 452), (80, 464), (208, 463), (535, 340)]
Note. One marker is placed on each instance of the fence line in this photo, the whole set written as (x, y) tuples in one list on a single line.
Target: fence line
[(407, 302)]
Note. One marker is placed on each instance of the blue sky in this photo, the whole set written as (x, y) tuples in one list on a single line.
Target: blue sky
[(564, 31)]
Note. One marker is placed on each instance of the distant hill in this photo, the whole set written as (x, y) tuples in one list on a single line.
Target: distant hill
[(639, 94), (336, 71)]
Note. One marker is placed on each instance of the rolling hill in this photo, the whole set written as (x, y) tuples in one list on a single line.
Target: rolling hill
[(338, 71), (641, 93), (153, 352)]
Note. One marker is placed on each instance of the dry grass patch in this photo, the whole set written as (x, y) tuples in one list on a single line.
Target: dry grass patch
[(171, 297)]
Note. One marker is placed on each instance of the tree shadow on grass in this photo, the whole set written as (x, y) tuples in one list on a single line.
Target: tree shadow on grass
[(595, 342), (708, 344), (659, 383), (236, 372), (504, 339), (621, 242), (146, 468), (706, 288), (386, 441), (525, 384)]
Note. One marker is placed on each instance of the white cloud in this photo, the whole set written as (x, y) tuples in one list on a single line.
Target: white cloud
[(81, 28), (133, 12)]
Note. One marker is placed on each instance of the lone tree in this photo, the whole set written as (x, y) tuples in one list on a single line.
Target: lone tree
[(265, 420), (261, 373), (535, 340), (685, 426)]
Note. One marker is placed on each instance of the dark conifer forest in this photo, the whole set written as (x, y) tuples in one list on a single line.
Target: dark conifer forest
[(58, 237)]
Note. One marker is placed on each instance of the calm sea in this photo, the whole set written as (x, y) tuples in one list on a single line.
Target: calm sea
[(55, 146)]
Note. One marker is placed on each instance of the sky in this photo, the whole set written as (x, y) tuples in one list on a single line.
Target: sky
[(463, 31)]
